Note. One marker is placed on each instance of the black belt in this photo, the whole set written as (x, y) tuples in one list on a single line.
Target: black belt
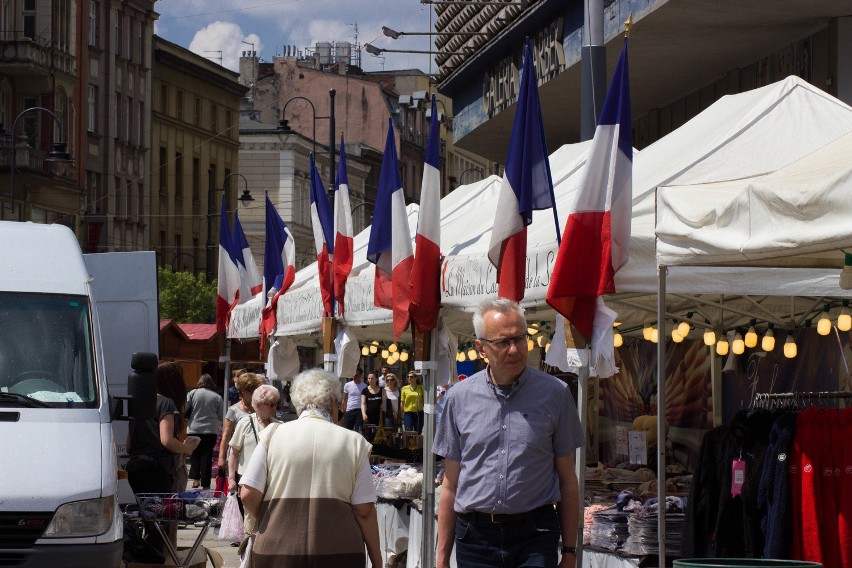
[(496, 518)]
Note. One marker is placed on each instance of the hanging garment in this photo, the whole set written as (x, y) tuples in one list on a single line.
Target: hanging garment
[(773, 500)]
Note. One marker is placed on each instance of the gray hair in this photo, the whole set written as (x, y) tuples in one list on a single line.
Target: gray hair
[(502, 305), (315, 387), (206, 382), (265, 394)]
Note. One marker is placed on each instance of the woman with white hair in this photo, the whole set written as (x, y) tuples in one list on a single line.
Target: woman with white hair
[(309, 479)]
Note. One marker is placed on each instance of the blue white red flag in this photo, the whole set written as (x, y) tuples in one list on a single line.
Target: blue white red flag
[(228, 277), (595, 243), (279, 267), (425, 274), (321, 220), (527, 186), (343, 230), (390, 247), (250, 281)]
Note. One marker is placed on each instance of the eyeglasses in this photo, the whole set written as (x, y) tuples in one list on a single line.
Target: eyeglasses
[(503, 344)]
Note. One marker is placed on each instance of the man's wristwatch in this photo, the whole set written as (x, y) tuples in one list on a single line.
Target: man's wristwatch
[(569, 550)]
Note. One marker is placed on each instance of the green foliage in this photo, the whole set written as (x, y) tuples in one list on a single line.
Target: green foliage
[(186, 297)]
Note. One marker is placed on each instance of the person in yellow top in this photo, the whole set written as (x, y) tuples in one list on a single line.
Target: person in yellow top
[(411, 398)]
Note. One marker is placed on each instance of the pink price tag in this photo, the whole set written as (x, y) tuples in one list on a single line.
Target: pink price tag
[(737, 477)]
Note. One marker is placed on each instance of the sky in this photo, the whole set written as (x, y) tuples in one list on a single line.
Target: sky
[(207, 27)]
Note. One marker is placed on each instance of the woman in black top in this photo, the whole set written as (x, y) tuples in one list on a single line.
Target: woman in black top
[(371, 400)]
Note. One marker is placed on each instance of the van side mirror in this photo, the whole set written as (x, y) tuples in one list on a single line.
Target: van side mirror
[(142, 386)]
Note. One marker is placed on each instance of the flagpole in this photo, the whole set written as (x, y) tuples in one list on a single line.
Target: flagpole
[(424, 346), (329, 332)]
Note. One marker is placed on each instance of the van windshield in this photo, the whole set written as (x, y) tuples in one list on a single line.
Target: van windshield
[(46, 351)]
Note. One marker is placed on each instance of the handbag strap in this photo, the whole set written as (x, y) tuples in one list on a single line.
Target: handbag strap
[(251, 423)]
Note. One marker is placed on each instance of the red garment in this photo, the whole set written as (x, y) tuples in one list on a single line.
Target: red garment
[(844, 482), (807, 440), (826, 422)]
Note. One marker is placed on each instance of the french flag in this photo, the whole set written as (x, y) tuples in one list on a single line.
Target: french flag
[(527, 186), (343, 230), (228, 284), (279, 269), (596, 239), (250, 281), (389, 247), (321, 219), (425, 274)]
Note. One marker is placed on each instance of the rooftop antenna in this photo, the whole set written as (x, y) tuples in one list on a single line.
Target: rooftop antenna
[(219, 51), (357, 47)]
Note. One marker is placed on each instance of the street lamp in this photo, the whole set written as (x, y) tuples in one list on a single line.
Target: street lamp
[(393, 34), (245, 199), (373, 50), (176, 261), (59, 155), (331, 147), (470, 169)]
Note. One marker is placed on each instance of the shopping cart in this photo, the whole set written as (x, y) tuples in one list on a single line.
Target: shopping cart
[(203, 507)]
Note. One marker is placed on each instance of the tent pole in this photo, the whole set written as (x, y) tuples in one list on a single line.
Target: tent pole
[(580, 458), (426, 346), (661, 413), (227, 359), (329, 333)]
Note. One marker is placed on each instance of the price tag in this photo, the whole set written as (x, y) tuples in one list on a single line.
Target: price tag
[(638, 443), (621, 440), (738, 468)]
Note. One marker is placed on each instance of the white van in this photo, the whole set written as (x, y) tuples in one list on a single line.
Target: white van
[(58, 464)]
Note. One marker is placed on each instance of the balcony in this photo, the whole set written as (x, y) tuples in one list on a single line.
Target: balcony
[(22, 56), (30, 161)]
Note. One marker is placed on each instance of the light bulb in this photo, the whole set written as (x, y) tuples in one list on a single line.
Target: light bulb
[(485, 360), (646, 332), (547, 347), (403, 356), (683, 329), (462, 357), (394, 357), (676, 337), (393, 348), (458, 357), (471, 354), (738, 346), (376, 343), (385, 353), (768, 342), (824, 324), (751, 338), (722, 347), (531, 331), (530, 345), (709, 337), (844, 320), (790, 349), (365, 351), (617, 340), (541, 340), (374, 349), (655, 335)]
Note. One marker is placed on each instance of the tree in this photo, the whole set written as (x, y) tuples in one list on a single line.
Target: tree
[(186, 297)]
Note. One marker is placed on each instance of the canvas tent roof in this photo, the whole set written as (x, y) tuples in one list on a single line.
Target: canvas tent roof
[(741, 136)]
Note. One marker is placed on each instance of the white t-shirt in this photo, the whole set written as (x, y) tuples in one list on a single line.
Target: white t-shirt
[(353, 394), (363, 492)]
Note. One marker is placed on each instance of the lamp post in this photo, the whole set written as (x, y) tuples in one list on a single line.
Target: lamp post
[(470, 169), (373, 50), (330, 118), (176, 261), (245, 199), (393, 34), (59, 155)]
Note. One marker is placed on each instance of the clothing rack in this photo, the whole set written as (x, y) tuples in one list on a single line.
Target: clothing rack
[(800, 395)]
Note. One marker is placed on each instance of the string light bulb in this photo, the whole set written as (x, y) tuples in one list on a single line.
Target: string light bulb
[(844, 320), (768, 341), (530, 345), (403, 356), (461, 358), (541, 340), (374, 347), (738, 346), (617, 340), (655, 335), (824, 324), (790, 348), (365, 351), (709, 338), (751, 337), (547, 347), (471, 354), (722, 347), (646, 332), (683, 329), (385, 353), (393, 348), (676, 336)]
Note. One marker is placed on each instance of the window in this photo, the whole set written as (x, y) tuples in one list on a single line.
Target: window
[(179, 106), (162, 248), (140, 39), (196, 181), (131, 201), (128, 120), (164, 99), (94, 21), (60, 109), (197, 117), (139, 123), (4, 19), (5, 103), (119, 198), (92, 108), (31, 121), (178, 246), (178, 175), (213, 112), (63, 25), (129, 38), (140, 205), (302, 203), (96, 193), (229, 124), (30, 19), (117, 119), (119, 25), (164, 171)]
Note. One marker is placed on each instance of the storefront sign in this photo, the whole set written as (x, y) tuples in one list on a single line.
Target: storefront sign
[(500, 84)]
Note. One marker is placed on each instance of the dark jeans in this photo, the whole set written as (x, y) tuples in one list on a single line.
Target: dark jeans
[(412, 421), (526, 543), (353, 420), (201, 460)]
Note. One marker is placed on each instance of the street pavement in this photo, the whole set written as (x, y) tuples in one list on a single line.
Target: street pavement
[(186, 537)]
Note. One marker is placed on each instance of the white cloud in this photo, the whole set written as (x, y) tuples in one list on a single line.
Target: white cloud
[(226, 37)]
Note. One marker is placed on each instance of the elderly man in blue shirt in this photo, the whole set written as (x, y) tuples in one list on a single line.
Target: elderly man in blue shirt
[(508, 435)]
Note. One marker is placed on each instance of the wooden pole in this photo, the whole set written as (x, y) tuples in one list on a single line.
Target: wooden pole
[(329, 333)]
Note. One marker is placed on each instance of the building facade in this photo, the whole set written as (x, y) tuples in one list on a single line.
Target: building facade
[(683, 57), (195, 147)]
